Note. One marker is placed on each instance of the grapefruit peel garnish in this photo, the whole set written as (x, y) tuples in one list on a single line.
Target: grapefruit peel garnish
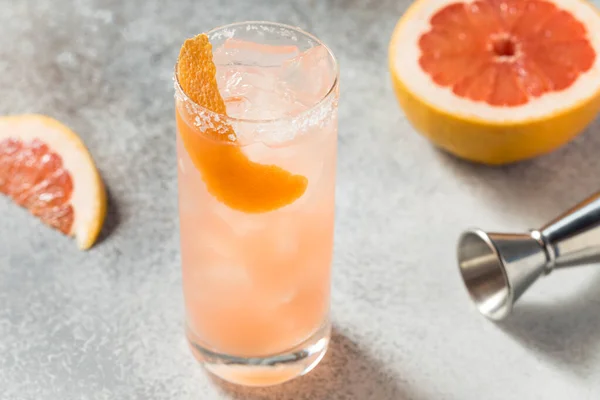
[(229, 175)]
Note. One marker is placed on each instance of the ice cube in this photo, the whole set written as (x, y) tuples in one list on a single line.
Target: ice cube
[(239, 224), (284, 237), (238, 51), (237, 106), (250, 92), (309, 76), (229, 275), (209, 282)]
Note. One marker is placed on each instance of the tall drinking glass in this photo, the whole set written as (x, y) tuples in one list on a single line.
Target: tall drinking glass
[(257, 216)]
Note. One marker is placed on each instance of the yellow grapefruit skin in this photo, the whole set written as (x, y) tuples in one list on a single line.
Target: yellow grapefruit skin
[(483, 140)]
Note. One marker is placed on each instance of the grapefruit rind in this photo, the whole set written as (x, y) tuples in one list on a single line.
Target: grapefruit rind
[(477, 131), (88, 198), (228, 173)]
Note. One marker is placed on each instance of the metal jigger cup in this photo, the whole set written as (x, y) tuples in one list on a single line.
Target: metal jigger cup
[(497, 268)]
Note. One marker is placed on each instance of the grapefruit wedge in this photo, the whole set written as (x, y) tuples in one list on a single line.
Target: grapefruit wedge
[(45, 168), (498, 81)]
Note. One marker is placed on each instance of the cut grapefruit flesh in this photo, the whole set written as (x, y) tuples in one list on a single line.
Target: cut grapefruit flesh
[(485, 53), (227, 172), (45, 168), (498, 81)]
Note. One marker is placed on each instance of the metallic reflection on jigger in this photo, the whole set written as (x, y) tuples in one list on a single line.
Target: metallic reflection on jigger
[(497, 268)]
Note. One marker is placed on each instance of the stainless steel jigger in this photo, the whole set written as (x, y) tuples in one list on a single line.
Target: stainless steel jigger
[(497, 268)]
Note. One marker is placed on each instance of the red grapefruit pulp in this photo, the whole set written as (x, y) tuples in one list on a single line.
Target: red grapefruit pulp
[(45, 168), (35, 178), (504, 52)]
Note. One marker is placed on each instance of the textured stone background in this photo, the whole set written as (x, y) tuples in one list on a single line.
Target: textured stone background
[(107, 324)]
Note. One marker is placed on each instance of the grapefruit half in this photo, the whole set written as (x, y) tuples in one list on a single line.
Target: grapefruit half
[(45, 168), (498, 81)]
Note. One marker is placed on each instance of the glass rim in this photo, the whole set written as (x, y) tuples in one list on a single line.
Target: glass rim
[(298, 115)]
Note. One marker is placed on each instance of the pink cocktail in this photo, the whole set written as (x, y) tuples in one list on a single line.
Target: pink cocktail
[(256, 255)]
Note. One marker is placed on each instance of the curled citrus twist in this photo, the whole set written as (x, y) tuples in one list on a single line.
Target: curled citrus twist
[(227, 172)]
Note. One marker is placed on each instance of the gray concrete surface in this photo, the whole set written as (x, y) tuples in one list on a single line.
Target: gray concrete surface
[(107, 324)]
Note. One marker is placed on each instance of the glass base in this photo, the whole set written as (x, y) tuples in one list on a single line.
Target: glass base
[(264, 371)]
